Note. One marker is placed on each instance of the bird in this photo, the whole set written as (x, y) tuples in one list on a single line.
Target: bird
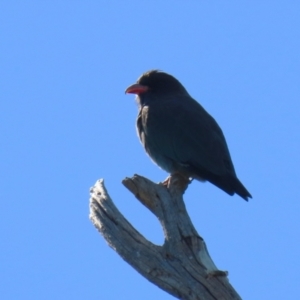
[(180, 136)]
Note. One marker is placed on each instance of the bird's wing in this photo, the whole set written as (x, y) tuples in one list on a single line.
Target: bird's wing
[(182, 131)]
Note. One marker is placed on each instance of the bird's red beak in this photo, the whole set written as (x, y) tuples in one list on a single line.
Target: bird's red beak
[(136, 89)]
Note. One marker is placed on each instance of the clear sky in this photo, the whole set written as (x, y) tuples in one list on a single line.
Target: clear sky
[(65, 122)]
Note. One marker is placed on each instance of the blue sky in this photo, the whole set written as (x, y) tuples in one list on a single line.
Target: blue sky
[(65, 122)]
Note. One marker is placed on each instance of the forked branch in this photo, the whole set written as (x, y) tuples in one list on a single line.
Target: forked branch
[(182, 266)]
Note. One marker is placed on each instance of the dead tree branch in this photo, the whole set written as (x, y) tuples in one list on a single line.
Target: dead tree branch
[(182, 266)]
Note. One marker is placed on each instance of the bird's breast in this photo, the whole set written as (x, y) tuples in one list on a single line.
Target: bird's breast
[(151, 136)]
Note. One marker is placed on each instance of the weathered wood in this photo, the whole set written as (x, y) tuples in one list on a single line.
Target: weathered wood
[(182, 266)]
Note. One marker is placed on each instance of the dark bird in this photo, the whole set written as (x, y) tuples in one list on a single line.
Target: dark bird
[(180, 136)]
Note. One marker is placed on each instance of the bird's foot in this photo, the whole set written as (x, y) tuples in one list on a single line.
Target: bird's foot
[(166, 182), (178, 180)]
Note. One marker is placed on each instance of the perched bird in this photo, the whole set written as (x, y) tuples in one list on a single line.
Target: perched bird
[(180, 136)]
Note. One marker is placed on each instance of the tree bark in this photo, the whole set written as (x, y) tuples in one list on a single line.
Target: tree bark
[(182, 266)]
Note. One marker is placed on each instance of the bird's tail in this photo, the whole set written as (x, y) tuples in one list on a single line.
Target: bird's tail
[(239, 189)]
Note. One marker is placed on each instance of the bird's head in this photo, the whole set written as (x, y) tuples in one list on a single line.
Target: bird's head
[(156, 83)]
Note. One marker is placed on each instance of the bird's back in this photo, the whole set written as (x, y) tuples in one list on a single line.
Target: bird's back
[(181, 136)]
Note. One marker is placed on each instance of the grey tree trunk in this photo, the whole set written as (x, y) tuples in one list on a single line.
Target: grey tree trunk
[(182, 266)]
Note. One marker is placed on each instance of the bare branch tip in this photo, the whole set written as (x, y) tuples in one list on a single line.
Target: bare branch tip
[(217, 273)]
